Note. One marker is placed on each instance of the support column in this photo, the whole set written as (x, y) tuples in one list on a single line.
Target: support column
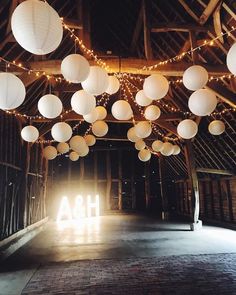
[(164, 201), (120, 181), (108, 189), (147, 185)]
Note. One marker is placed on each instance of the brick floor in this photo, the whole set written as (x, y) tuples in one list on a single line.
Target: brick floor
[(185, 275)]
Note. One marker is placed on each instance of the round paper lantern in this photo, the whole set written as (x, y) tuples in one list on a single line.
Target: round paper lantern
[(144, 155), (90, 140), (100, 128), (113, 85), (202, 102), (187, 129), (50, 152), (195, 77), (152, 113), (37, 27), (82, 102), (121, 110), (216, 127), (176, 150), (156, 86), (97, 81), (167, 149), (30, 133), (157, 145), (102, 112), (231, 59), (92, 116), (50, 106), (61, 132), (12, 91), (84, 151), (75, 68), (142, 99), (78, 143), (131, 135), (63, 147), (73, 156), (143, 129), (140, 145)]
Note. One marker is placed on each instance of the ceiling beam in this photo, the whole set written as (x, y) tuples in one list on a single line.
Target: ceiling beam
[(73, 23), (222, 93), (147, 30), (167, 27), (215, 171), (212, 5), (137, 30)]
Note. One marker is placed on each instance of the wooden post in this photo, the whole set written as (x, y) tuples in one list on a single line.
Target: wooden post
[(95, 173), (147, 30), (120, 180), (147, 185), (164, 213), (108, 189)]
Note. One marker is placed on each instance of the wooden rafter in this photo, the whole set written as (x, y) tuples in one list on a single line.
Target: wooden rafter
[(215, 171), (178, 27), (210, 8)]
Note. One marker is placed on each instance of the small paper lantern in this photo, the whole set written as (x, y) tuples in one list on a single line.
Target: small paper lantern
[(187, 129), (142, 99), (231, 59), (97, 81), (73, 156), (156, 86), (61, 132), (77, 143), (92, 116), (140, 145), (100, 128), (82, 102), (63, 147), (50, 106), (84, 151), (12, 91), (102, 112), (113, 85), (152, 113), (195, 77), (90, 140), (157, 145), (30, 133), (121, 110), (176, 150), (202, 102), (167, 149), (143, 129), (216, 127), (144, 155), (131, 135), (50, 152), (37, 27), (75, 68)]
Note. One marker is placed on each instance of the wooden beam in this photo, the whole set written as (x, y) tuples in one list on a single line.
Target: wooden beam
[(137, 30), (215, 171), (28, 79), (224, 94), (189, 10), (147, 30), (217, 23), (167, 27), (73, 23), (208, 11)]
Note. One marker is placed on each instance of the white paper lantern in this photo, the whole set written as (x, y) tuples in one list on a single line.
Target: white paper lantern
[(50, 152), (187, 129), (144, 155), (30, 133), (75, 68), (176, 150), (61, 132), (131, 135), (195, 77), (157, 145), (113, 85), (143, 129), (78, 143), (142, 99), (152, 113), (231, 59), (202, 102), (102, 112), (50, 106), (140, 145), (100, 128), (84, 152), (97, 81), (121, 110), (83, 102), (167, 149), (37, 27), (90, 140), (73, 156), (92, 116), (216, 127), (63, 147), (156, 86), (12, 91)]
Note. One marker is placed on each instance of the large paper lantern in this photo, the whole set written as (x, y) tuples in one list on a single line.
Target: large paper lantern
[(216, 127), (61, 132), (195, 77), (30, 133), (75, 68), (131, 135), (78, 143), (84, 151), (202, 102), (113, 85), (12, 91), (231, 59), (63, 147), (37, 27), (50, 106), (73, 156), (90, 140), (143, 129), (97, 81), (187, 129), (157, 145), (100, 128), (142, 99), (102, 112), (156, 86), (167, 149), (140, 145), (144, 155), (176, 150), (83, 102), (121, 110), (92, 116), (50, 152), (152, 113)]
